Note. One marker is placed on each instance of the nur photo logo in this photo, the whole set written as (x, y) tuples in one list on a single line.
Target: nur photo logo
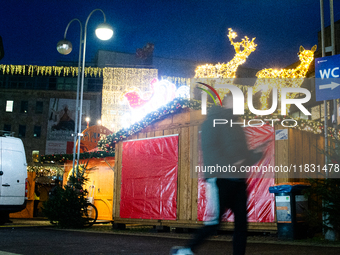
[(283, 97)]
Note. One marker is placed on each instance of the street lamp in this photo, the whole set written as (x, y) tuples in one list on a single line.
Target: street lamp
[(104, 32), (87, 119)]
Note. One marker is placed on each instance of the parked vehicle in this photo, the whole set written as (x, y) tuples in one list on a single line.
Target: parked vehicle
[(13, 176)]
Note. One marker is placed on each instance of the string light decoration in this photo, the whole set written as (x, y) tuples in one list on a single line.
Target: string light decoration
[(178, 81), (107, 143), (33, 70), (312, 126), (284, 78), (228, 70), (116, 82), (61, 158), (42, 171), (161, 92), (136, 98)]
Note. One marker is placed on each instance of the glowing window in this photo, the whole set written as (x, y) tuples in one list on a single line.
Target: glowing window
[(35, 156), (9, 106)]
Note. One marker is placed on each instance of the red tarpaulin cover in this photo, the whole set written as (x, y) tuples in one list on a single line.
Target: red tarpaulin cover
[(149, 178), (260, 202)]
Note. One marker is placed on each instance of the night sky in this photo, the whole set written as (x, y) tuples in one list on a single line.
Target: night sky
[(180, 29)]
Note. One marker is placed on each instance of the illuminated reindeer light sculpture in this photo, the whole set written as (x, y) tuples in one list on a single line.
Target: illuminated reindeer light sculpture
[(284, 78), (228, 70)]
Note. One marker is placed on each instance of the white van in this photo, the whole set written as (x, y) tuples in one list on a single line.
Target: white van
[(13, 176)]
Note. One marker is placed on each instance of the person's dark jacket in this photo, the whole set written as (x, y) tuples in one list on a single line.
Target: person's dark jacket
[(224, 145)]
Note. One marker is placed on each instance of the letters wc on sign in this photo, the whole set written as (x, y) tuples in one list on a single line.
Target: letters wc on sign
[(327, 78)]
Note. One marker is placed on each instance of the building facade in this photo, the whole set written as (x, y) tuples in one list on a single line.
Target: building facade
[(32, 103)]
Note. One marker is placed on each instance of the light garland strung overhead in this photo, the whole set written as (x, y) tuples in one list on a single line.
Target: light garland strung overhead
[(33, 70)]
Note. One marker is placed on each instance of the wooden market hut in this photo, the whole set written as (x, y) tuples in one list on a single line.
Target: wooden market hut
[(132, 188), (99, 172)]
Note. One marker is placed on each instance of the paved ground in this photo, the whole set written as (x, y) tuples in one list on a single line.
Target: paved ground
[(38, 237)]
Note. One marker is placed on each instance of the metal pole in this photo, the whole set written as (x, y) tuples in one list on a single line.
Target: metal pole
[(325, 101), (335, 118), (75, 136), (330, 234), (82, 85)]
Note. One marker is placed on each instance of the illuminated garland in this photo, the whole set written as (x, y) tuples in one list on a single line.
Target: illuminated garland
[(228, 70), (178, 81), (32, 70), (108, 143), (313, 126), (61, 158), (42, 171)]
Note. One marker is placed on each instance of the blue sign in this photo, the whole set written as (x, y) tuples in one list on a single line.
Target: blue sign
[(327, 78), (281, 134)]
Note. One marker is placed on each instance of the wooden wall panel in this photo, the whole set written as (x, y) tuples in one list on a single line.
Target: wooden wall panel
[(167, 132), (320, 143), (184, 178), (292, 149), (159, 133), (194, 149), (141, 135), (117, 179), (304, 149), (150, 134), (281, 156)]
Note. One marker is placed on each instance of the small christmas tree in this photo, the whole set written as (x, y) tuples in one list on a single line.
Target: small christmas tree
[(324, 194), (66, 205)]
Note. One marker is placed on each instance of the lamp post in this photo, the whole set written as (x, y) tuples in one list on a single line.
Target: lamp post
[(104, 32)]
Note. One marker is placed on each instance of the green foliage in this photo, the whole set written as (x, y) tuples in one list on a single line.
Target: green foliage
[(324, 199), (65, 206), (324, 195)]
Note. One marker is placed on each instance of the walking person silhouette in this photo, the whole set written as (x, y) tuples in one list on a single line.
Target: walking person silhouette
[(224, 145)]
